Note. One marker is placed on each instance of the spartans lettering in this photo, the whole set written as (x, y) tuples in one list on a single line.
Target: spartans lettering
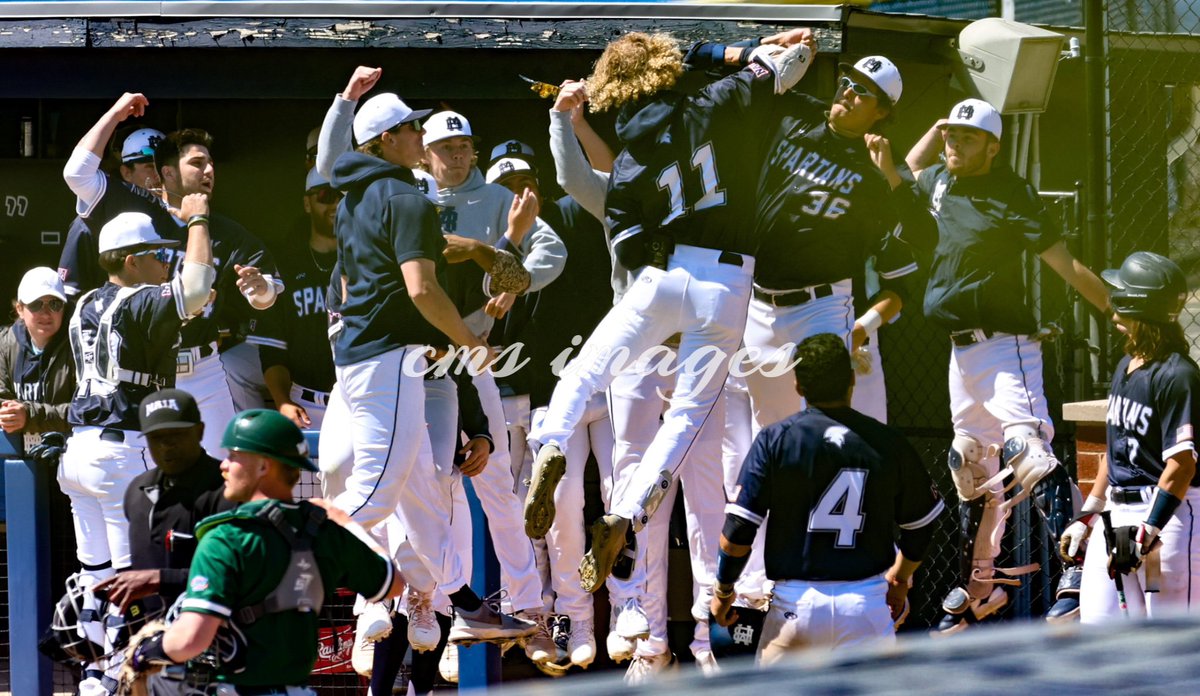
[(1126, 413)]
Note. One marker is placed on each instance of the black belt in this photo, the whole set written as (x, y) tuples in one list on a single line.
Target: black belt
[(314, 397), (970, 337), (793, 298), (730, 258), (1130, 496), (112, 435), (659, 248), (436, 374)]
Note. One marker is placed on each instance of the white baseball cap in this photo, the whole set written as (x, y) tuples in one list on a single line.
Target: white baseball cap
[(140, 145), (507, 166), (976, 113), (446, 124), (39, 282), (427, 185), (380, 113), (880, 71), (131, 229), (511, 148)]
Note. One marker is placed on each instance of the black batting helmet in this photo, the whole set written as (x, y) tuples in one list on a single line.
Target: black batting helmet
[(1147, 287)]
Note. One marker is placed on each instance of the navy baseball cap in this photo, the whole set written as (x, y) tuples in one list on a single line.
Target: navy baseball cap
[(314, 181)]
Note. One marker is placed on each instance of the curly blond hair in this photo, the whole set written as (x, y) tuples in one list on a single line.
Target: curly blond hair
[(634, 66)]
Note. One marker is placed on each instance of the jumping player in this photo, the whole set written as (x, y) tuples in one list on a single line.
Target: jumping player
[(1151, 482), (835, 483), (677, 220), (977, 295)]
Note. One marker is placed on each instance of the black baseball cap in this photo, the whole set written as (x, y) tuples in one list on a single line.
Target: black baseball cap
[(168, 408)]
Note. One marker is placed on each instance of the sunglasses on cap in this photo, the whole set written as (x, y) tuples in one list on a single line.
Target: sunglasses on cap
[(54, 304), (326, 195), (860, 90), (161, 254)]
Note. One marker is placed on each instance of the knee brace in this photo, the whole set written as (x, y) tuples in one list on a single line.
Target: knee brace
[(651, 499), (966, 467), (1057, 499), (1028, 458)]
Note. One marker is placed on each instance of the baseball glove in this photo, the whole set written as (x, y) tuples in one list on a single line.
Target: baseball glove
[(133, 679)]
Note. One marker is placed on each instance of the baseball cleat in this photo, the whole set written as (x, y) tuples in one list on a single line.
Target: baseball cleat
[(424, 633), (539, 647), (448, 665), (1066, 603), (608, 540), (581, 643), (548, 469), (488, 625), (962, 611), (375, 622)]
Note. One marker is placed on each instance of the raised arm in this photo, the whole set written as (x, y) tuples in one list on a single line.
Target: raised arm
[(336, 129)]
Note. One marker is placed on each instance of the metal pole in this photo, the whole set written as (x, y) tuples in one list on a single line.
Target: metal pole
[(30, 596), (1095, 64)]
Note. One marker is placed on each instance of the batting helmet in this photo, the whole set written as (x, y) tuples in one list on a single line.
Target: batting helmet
[(1147, 287), (269, 433)]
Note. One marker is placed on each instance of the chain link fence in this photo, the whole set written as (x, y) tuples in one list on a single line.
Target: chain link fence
[(1153, 138)]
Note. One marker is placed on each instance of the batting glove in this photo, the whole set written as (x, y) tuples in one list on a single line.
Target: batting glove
[(788, 65), (1073, 542)]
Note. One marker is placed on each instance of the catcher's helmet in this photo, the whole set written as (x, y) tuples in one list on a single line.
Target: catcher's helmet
[(85, 626), (1148, 287), (269, 433)]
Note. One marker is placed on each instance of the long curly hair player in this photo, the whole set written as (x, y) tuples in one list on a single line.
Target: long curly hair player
[(633, 67)]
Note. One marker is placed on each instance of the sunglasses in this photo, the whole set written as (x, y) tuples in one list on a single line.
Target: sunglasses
[(326, 195), (860, 90), (161, 254), (415, 124), (55, 305)]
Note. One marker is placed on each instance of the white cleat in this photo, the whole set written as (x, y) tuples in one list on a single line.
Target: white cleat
[(424, 633), (644, 668), (448, 665), (581, 643), (375, 622), (539, 647)]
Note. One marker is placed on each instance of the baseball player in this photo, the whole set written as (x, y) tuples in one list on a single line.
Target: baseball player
[(123, 337), (835, 484), (267, 567), (389, 249), (673, 217), (1149, 480), (976, 293), (301, 377), (823, 199)]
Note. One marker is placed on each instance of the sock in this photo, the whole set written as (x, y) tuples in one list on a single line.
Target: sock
[(465, 598), (425, 664), (389, 656)]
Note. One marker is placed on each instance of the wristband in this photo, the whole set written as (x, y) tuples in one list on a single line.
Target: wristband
[(197, 220), (150, 653), (870, 321), (723, 590), (1093, 504), (729, 568), (1162, 508)]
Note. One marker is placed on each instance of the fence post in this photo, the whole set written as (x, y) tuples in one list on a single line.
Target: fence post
[(26, 486), (1095, 76), (479, 665)]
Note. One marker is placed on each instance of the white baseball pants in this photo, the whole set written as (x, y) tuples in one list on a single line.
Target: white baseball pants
[(826, 615), (205, 380), (95, 473)]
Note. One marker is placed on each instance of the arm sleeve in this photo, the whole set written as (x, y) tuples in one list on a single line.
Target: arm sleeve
[(752, 504), (335, 137), (84, 178), (545, 255), (1177, 408), (918, 503), (213, 578), (471, 415), (575, 175)]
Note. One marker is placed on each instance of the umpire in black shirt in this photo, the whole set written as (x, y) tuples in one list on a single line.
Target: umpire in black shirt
[(164, 504)]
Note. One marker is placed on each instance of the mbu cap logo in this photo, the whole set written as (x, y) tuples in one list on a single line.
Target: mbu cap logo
[(873, 66), (506, 167), (161, 404), (513, 148), (966, 111), (453, 123)]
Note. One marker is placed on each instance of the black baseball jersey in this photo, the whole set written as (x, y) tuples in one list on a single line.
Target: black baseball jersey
[(304, 317), (382, 222), (985, 223), (823, 208), (144, 339), (685, 168), (1152, 414), (835, 483), (78, 264)]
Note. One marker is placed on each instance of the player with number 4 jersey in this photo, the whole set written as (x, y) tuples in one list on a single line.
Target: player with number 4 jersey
[(835, 484)]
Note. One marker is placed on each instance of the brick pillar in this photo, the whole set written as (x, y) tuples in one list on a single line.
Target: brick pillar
[(1089, 438)]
